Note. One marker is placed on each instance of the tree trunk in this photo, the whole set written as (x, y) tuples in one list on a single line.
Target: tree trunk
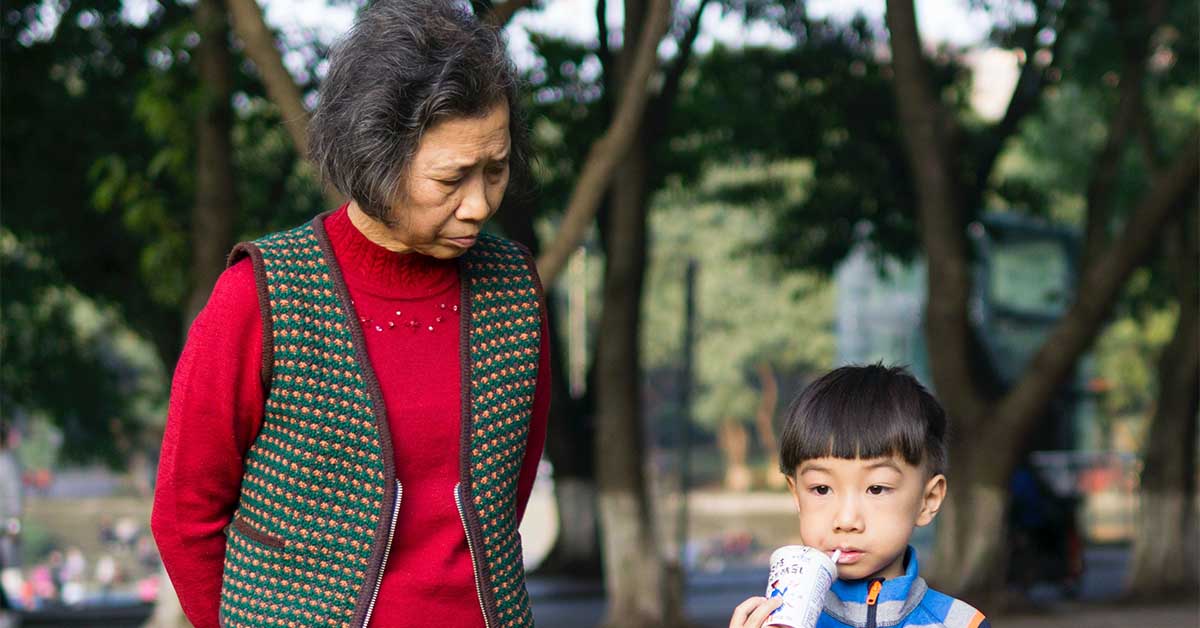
[(216, 193), (765, 423), (971, 525), (636, 576), (970, 529), (570, 445), (570, 437), (215, 206), (649, 22), (1165, 555), (734, 443)]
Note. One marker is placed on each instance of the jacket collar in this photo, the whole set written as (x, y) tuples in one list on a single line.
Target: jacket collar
[(847, 599)]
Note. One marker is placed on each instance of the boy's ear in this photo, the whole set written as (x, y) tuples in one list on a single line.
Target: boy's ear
[(791, 480), (931, 499)]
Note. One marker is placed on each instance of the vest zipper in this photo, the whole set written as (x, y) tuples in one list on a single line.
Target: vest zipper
[(872, 598), (386, 550), (471, 550)]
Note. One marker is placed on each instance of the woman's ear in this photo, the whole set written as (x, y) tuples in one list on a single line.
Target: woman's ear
[(931, 499)]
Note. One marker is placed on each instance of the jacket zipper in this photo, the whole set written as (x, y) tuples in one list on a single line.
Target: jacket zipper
[(872, 598), (471, 550), (386, 550)]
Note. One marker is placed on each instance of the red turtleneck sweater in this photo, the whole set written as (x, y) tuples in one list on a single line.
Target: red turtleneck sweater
[(216, 410)]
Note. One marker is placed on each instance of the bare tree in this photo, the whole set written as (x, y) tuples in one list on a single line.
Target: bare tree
[(971, 528)]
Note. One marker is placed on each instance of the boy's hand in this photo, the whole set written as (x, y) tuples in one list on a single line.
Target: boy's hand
[(753, 612)]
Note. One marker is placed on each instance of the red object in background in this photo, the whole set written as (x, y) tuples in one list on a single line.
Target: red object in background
[(39, 479), (1097, 479)]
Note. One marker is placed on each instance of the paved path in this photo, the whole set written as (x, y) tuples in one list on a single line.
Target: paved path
[(1183, 615), (712, 597)]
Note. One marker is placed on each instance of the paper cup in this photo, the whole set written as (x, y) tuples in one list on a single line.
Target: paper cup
[(801, 575)]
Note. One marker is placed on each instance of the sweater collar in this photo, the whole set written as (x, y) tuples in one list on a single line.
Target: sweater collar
[(385, 273), (847, 599)]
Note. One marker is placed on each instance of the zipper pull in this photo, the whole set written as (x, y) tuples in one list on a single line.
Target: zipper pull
[(872, 597), (873, 592)]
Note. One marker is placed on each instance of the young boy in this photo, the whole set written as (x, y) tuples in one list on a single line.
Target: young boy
[(864, 452)]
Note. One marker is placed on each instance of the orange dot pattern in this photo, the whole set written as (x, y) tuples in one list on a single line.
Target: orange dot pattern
[(505, 336), (314, 490)]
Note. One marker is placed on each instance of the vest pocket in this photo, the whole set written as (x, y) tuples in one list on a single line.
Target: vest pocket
[(243, 527)]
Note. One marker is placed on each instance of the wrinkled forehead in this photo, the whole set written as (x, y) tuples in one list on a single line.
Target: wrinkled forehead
[(465, 141)]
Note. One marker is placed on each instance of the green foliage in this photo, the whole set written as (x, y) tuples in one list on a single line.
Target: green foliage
[(748, 311), (99, 184), (70, 360), (1049, 164), (1127, 358), (827, 100)]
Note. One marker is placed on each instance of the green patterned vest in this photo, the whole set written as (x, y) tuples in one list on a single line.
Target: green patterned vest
[(319, 497)]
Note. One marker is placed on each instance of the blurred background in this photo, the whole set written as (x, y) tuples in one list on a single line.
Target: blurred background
[(1000, 194)]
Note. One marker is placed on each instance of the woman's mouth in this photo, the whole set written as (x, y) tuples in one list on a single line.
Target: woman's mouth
[(465, 242)]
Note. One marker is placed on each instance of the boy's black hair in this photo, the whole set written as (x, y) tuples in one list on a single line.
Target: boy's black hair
[(865, 412)]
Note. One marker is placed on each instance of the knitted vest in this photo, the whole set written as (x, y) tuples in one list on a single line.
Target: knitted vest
[(319, 497)]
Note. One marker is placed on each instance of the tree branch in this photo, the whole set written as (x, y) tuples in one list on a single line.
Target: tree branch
[(1099, 288), (605, 154), (940, 217), (500, 15), (604, 53), (1124, 121), (662, 105), (1026, 97), (250, 26), (216, 202)]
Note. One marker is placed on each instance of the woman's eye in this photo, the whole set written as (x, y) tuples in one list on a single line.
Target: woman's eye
[(450, 182), (497, 171), (877, 489), (820, 489)]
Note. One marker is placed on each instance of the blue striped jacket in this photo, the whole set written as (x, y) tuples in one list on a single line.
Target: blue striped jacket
[(905, 601)]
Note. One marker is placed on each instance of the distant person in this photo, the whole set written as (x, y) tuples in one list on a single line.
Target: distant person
[(864, 452), (11, 503), (357, 416)]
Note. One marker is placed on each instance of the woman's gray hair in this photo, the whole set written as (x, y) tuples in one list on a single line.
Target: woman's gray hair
[(406, 65)]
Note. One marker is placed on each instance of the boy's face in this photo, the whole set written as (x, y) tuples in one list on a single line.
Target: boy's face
[(865, 507)]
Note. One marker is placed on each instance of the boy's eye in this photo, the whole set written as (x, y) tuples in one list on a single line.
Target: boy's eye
[(819, 489), (877, 489)]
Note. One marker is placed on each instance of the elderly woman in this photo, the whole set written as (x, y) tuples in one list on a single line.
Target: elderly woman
[(356, 419)]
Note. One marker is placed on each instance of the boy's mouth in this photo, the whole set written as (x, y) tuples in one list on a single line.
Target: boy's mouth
[(849, 556)]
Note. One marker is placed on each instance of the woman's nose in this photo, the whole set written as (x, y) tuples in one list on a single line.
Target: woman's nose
[(474, 206)]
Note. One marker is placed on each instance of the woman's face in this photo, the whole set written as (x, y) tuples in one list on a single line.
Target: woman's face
[(456, 181)]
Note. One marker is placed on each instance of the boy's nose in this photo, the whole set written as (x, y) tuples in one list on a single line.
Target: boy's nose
[(849, 516)]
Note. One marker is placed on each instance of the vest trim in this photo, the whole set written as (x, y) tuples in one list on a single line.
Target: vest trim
[(466, 484), (247, 249), (499, 282), (375, 563)]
